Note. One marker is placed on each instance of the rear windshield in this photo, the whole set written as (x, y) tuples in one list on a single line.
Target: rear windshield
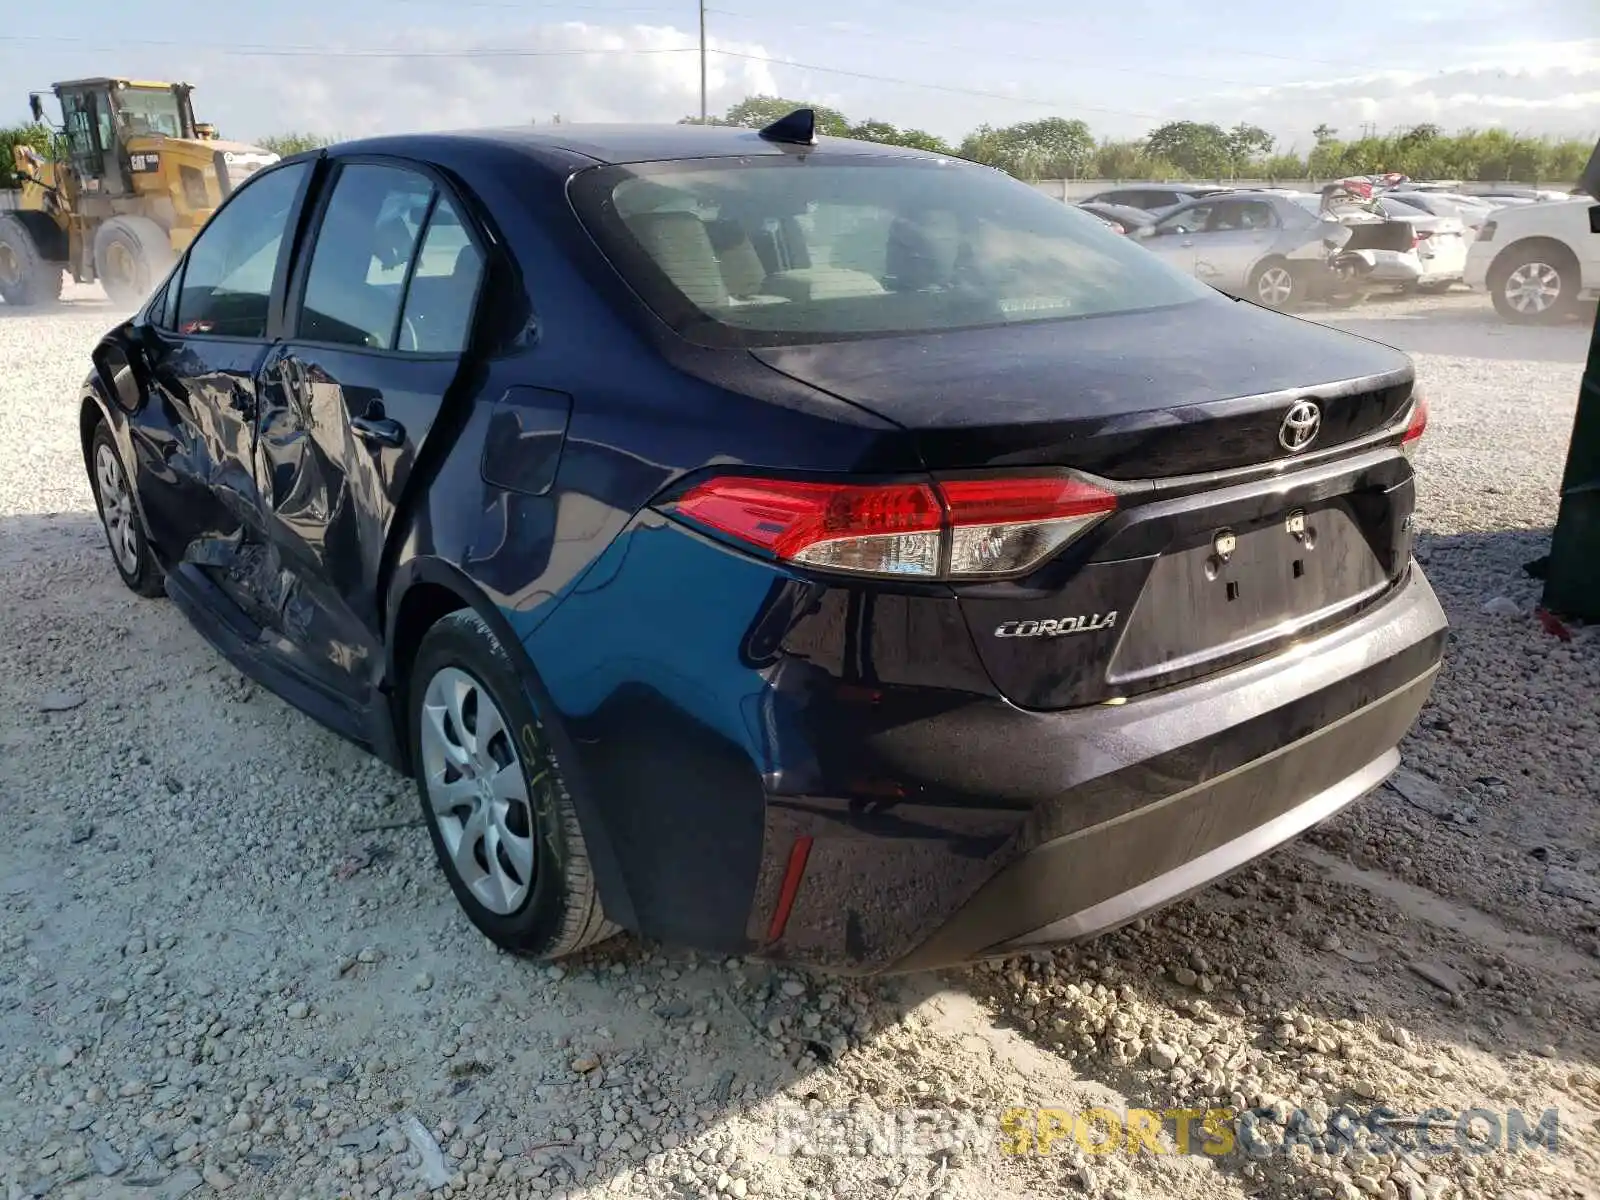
[(782, 250)]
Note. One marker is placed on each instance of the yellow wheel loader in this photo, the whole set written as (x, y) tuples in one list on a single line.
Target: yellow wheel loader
[(130, 182)]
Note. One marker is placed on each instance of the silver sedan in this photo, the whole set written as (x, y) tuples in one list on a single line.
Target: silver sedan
[(1261, 246)]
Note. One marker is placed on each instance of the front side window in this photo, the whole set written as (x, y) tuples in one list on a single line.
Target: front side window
[(149, 110), (228, 276), (768, 251), (1236, 215), (78, 113), (1189, 220), (362, 258)]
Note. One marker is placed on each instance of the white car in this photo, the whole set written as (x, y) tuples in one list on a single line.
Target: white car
[(1438, 254), (1435, 258), (1536, 260)]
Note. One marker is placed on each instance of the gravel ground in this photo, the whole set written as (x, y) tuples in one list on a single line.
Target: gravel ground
[(228, 963)]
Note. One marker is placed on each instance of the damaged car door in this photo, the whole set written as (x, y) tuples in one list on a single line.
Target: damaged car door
[(376, 323), (204, 345)]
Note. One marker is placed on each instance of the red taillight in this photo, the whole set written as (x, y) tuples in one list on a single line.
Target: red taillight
[(954, 528), (1007, 523), (882, 529), (1418, 236), (1416, 426)]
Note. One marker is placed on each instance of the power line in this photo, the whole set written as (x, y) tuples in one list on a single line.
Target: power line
[(1055, 62), (235, 50), (939, 87), (923, 10), (503, 7)]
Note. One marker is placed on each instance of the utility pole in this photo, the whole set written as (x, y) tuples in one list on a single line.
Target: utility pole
[(702, 62)]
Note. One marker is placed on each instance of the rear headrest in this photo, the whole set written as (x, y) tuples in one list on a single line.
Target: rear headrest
[(678, 243), (742, 271), (392, 243), (922, 252)]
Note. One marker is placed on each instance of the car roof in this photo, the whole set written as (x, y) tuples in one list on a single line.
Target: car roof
[(627, 143)]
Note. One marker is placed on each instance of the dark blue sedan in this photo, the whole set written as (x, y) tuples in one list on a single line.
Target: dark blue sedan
[(821, 550)]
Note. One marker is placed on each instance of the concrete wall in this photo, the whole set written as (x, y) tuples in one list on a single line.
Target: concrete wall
[(1078, 189)]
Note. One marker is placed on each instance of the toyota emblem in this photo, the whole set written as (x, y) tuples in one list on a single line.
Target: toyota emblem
[(1300, 426)]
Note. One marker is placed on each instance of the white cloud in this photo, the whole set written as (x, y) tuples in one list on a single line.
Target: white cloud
[(583, 72), (1554, 89), (576, 70)]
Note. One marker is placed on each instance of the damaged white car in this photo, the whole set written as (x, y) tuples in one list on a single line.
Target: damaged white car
[(1396, 243)]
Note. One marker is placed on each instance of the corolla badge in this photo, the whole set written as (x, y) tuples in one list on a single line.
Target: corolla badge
[(1092, 623), (1300, 426)]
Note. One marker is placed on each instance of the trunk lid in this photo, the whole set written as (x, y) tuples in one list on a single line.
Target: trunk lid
[(1213, 557), (1200, 387)]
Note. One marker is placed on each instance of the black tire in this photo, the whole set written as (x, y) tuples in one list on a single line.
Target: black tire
[(124, 529), (131, 254), (26, 276), (560, 913), (1275, 284), (1541, 264)]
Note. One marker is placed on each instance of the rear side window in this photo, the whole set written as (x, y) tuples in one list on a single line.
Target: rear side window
[(769, 251), (227, 277), (444, 286), (369, 233)]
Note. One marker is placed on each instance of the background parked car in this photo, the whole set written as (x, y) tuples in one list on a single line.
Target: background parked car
[(1470, 211), (1536, 260), (1263, 246), (1155, 197), (1126, 218), (1410, 248), (1438, 257)]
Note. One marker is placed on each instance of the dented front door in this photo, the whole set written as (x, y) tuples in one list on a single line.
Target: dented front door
[(205, 342), (351, 395)]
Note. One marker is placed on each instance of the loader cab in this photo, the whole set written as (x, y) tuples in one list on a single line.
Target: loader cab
[(99, 116)]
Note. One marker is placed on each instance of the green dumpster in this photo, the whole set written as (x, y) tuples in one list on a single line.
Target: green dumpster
[(1572, 580)]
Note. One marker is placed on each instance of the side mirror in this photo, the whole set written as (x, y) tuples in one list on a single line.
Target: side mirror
[(36, 107)]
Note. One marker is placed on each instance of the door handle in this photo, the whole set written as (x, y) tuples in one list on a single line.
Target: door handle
[(379, 431)]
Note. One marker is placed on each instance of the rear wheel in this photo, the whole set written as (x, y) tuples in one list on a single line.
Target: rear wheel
[(494, 799), (26, 276), (130, 255), (1274, 285), (1535, 283), (130, 549)]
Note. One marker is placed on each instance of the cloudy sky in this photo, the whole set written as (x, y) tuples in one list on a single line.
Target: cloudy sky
[(349, 67)]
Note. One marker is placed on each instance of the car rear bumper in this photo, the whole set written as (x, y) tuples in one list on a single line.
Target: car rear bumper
[(1393, 267), (1089, 882), (1093, 815)]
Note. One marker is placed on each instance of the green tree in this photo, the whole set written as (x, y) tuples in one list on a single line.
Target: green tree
[(893, 135), (37, 136), (286, 144), (1058, 147), (1200, 149), (1052, 148), (1246, 143), (1281, 166), (757, 112)]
